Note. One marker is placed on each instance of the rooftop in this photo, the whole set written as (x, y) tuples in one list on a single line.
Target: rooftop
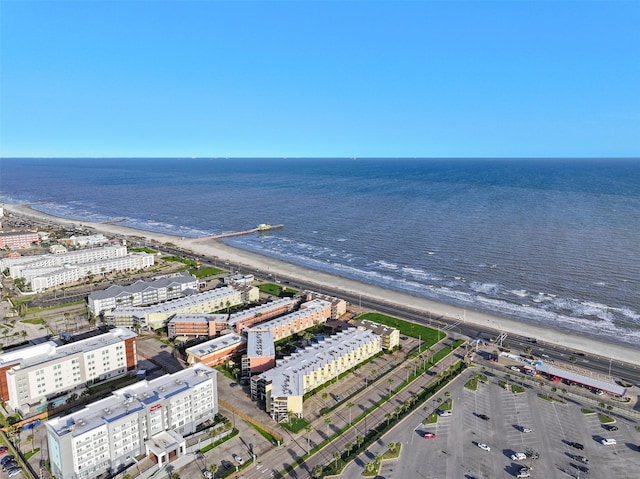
[(214, 345)]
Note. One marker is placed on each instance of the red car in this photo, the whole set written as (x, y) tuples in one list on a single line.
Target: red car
[(3, 449), (429, 435)]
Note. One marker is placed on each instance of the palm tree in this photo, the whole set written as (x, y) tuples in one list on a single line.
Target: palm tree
[(336, 457), (308, 428), (348, 447), (327, 421), (30, 438), (390, 381), (316, 473), (213, 468), (349, 405)]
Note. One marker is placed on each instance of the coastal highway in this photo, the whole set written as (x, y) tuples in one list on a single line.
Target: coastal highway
[(579, 361), (584, 362)]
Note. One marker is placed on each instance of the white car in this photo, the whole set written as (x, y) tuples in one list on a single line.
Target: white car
[(515, 368), (484, 447), (238, 459), (608, 441), (518, 456)]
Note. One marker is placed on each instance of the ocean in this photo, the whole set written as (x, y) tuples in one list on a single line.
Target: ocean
[(553, 242)]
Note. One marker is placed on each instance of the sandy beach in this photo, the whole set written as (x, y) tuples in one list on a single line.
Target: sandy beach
[(254, 261)]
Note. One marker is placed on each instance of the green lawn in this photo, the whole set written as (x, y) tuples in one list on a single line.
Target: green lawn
[(430, 336)]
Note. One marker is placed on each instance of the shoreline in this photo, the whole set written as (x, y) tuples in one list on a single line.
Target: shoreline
[(251, 260)]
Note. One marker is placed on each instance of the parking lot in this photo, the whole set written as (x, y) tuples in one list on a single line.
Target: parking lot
[(454, 451)]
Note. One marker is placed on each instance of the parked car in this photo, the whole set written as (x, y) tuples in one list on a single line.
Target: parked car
[(442, 413), (484, 417), (526, 429), (610, 427), (6, 459), (484, 447), (429, 435), (582, 459), (208, 474), (14, 472), (518, 456), (577, 445), (238, 459), (608, 441), (514, 368), (3, 449), (10, 465), (524, 474)]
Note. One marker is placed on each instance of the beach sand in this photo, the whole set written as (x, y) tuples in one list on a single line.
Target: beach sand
[(252, 261)]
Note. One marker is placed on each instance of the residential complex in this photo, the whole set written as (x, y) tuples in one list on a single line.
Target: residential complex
[(142, 293), (390, 336), (261, 313), (50, 270), (30, 376), (282, 388), (261, 353), (188, 326), (148, 417), (310, 314), (156, 316)]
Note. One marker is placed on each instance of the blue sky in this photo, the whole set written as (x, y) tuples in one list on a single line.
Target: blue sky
[(336, 78)]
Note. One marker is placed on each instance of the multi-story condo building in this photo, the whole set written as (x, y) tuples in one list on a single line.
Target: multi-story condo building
[(390, 336), (18, 265), (18, 239), (142, 293), (261, 353), (84, 241), (30, 376), (156, 316), (282, 388), (218, 350), (338, 305), (259, 314), (147, 418), (310, 314), (188, 326), (39, 280)]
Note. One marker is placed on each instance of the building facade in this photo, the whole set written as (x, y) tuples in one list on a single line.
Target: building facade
[(157, 316), (310, 314), (19, 239), (30, 376), (142, 293), (148, 417), (218, 350), (281, 389)]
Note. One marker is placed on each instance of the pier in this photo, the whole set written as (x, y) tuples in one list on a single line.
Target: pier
[(260, 228)]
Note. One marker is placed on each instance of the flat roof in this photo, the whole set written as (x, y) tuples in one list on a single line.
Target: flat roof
[(49, 351), (579, 378), (214, 345), (251, 312), (309, 307), (260, 343), (130, 399), (179, 303), (140, 286)]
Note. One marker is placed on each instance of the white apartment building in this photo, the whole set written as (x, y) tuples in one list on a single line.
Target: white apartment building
[(30, 376), (17, 265), (142, 293), (148, 417), (70, 273), (282, 388), (156, 316)]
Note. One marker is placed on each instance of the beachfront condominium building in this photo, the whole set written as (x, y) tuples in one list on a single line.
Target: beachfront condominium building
[(148, 418), (310, 314), (157, 316), (31, 376), (338, 305), (184, 327), (390, 336), (18, 239), (42, 279), (142, 293), (282, 388), (18, 265)]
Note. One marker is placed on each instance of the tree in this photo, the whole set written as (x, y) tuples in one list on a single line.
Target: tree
[(308, 428), (30, 438), (213, 468), (327, 421), (325, 395), (348, 447), (390, 381), (349, 405), (317, 471), (336, 458)]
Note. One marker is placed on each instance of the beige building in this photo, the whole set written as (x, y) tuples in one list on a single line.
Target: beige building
[(390, 336), (281, 389)]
